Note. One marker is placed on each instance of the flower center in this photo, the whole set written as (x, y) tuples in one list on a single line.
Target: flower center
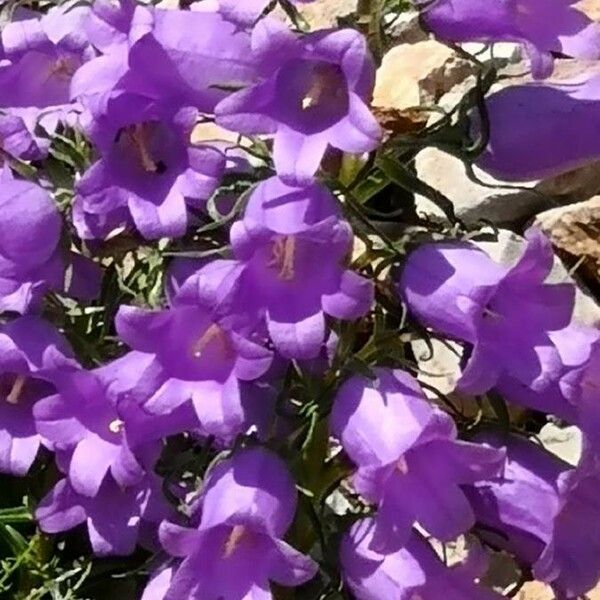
[(116, 426), (402, 465), (138, 136), (325, 81), (233, 541), (16, 390), (63, 68), (214, 334), (283, 253)]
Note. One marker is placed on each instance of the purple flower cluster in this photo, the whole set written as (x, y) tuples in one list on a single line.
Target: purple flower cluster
[(207, 365), (520, 340)]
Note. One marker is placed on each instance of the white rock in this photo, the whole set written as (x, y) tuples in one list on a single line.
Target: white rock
[(564, 442)]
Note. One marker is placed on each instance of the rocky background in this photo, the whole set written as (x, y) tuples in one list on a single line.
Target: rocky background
[(419, 71)]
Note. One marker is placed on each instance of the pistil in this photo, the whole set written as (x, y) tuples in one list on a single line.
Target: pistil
[(213, 334), (284, 251), (233, 541), (140, 142), (16, 390)]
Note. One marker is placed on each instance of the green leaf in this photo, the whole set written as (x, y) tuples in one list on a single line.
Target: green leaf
[(18, 514)]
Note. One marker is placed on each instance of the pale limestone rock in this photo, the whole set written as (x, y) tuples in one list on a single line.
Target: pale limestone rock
[(416, 74), (471, 200), (322, 14), (590, 7), (501, 204)]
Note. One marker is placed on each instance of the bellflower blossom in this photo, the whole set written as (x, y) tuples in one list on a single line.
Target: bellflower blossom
[(88, 434), (175, 58), (32, 355), (545, 512), (507, 315), (197, 358), (543, 28), (413, 571), (107, 24), (149, 174), (313, 92), (248, 504), (409, 461), (28, 270), (572, 392), (292, 244), (519, 116), (41, 56), (115, 517)]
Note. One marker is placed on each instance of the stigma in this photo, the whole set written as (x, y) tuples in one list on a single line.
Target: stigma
[(284, 251), (316, 91), (116, 426), (16, 390), (233, 541)]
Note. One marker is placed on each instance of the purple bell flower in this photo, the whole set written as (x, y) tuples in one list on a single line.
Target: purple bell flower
[(175, 58), (543, 27), (41, 57), (411, 572), (313, 93), (116, 517), (287, 238), (572, 393), (149, 175), (409, 461), (32, 356), (197, 358), (90, 434), (32, 259), (545, 512), (107, 24), (248, 504), (507, 315), (519, 117)]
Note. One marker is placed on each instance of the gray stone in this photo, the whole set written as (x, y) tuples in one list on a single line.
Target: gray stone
[(474, 202), (322, 14)]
